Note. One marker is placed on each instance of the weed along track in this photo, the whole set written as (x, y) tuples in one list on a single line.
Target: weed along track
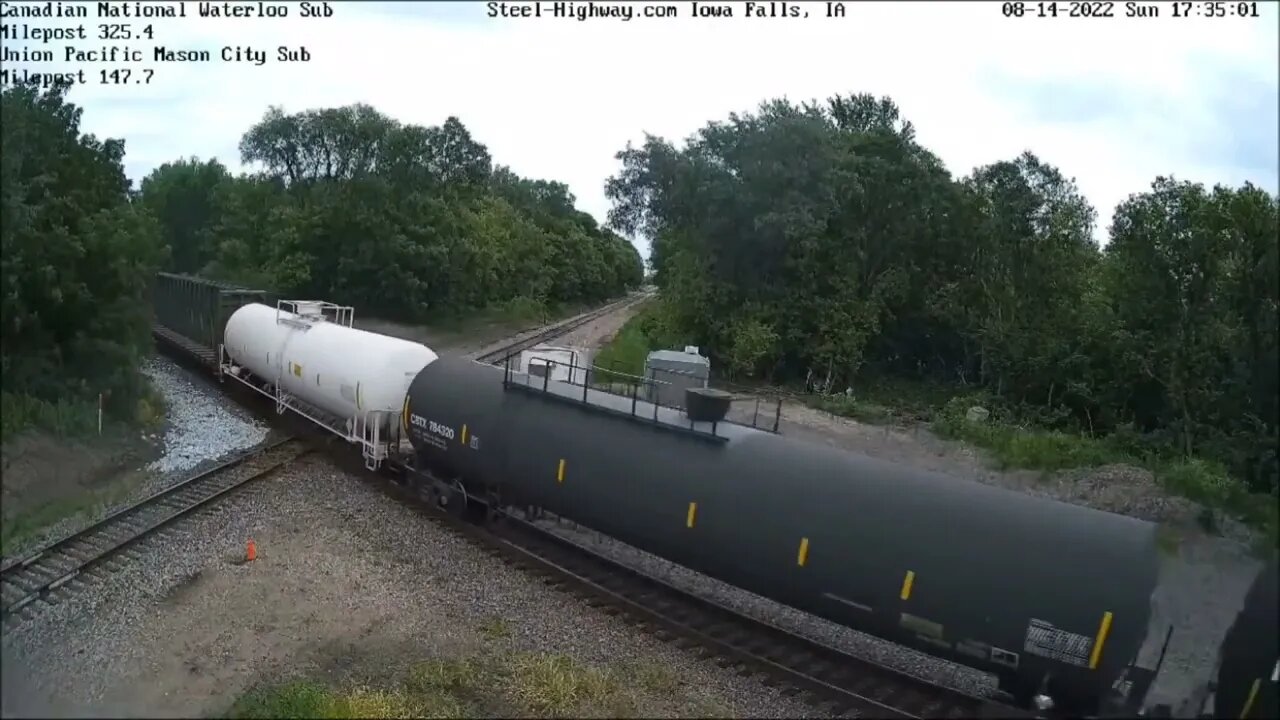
[(46, 573)]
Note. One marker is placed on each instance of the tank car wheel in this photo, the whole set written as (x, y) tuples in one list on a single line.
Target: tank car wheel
[(428, 492), (493, 510), (423, 491), (450, 496)]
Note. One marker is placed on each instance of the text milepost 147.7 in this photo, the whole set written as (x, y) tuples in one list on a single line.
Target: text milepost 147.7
[(1132, 9)]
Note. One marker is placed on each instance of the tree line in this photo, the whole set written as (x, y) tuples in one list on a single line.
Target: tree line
[(822, 243), (406, 222)]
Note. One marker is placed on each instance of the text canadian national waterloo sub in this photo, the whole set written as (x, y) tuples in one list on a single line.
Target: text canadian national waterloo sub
[(164, 9)]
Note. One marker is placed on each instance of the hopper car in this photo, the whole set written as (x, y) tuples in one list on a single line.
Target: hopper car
[(1052, 599), (191, 312)]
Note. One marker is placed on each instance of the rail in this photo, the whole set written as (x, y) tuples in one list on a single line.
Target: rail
[(506, 350), (43, 571)]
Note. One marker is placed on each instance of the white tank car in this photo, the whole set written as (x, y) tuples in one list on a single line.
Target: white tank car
[(355, 375)]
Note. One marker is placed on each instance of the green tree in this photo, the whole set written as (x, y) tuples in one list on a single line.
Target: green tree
[(822, 242), (78, 256), (181, 196), (1192, 277), (1032, 258), (405, 221)]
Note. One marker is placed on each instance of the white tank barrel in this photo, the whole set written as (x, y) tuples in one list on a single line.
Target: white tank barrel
[(339, 369)]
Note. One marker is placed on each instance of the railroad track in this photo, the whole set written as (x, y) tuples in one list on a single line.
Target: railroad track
[(501, 352), (835, 681), (49, 569), (826, 678)]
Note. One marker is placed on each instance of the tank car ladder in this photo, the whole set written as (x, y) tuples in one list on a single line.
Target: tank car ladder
[(358, 428), (362, 429)]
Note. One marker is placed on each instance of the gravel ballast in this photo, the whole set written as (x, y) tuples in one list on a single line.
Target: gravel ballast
[(200, 425), (349, 583)]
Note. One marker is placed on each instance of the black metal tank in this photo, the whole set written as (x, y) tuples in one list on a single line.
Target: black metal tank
[(1249, 661), (1022, 587)]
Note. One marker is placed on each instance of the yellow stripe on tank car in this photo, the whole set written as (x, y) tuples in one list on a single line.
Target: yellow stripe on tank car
[(404, 415), (560, 472), (464, 435), (907, 582), (1104, 628), (803, 555), (1253, 695), (693, 514)]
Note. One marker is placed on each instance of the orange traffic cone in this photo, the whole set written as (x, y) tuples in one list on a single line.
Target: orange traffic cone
[(251, 552)]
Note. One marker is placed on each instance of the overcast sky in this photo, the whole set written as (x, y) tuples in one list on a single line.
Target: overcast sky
[(1112, 102)]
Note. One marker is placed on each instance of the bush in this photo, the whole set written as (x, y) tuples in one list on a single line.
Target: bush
[(63, 418), (851, 407)]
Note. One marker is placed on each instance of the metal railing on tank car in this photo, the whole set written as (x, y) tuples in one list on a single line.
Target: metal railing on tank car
[(608, 381), (770, 403)]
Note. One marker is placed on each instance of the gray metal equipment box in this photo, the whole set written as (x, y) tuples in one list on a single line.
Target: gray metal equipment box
[(671, 372)]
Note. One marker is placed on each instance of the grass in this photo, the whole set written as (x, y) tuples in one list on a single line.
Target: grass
[(495, 628), (63, 418), (486, 684), (628, 350), (887, 401), (16, 531), (69, 417), (72, 420), (557, 686)]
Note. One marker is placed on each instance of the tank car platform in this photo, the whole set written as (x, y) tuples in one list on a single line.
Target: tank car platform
[(593, 387)]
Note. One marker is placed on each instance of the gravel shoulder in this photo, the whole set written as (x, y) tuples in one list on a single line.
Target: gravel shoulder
[(350, 587)]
